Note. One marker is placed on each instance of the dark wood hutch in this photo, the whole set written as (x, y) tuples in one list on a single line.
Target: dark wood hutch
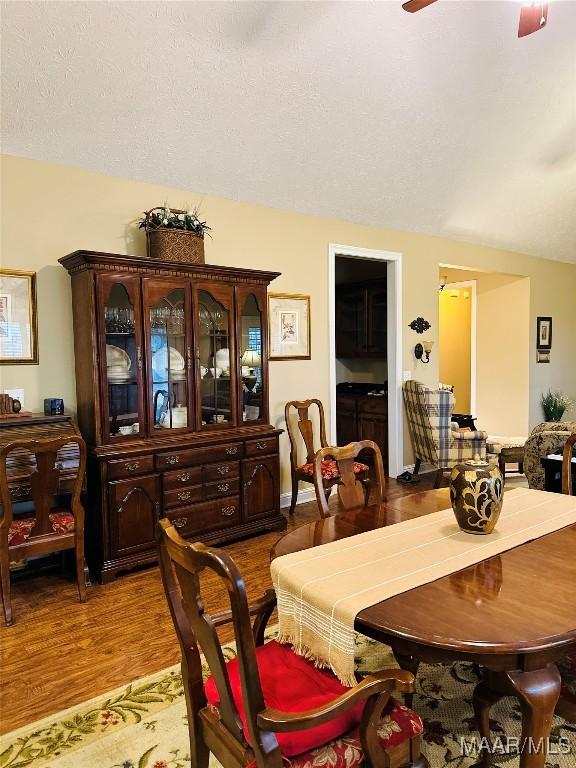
[(176, 424)]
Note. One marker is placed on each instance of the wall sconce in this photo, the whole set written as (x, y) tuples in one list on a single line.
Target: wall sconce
[(422, 351)]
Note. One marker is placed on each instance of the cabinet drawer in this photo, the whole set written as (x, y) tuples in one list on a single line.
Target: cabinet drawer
[(182, 477), (200, 518), (138, 465), (221, 488), (262, 446), (223, 471), (195, 456), (183, 496), (377, 405)]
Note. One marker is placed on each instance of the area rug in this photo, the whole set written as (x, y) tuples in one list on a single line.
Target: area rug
[(143, 725)]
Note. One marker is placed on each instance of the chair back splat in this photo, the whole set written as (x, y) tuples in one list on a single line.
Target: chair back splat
[(353, 486)]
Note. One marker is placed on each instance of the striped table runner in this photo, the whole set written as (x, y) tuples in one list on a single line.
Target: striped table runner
[(321, 590)]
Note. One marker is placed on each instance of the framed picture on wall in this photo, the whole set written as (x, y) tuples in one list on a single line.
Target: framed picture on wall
[(544, 333), (18, 321), (289, 318)]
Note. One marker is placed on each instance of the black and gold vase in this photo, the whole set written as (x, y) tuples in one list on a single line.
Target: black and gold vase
[(476, 489)]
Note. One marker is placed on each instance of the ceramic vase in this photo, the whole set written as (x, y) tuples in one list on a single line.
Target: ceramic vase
[(476, 489)]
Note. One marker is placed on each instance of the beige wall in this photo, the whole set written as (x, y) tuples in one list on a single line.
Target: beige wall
[(454, 344), (504, 350), (50, 210)]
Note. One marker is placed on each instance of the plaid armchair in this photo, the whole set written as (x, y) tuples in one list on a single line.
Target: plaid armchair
[(435, 438)]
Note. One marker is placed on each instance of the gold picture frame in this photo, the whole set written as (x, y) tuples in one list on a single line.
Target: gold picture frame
[(18, 318), (289, 329)]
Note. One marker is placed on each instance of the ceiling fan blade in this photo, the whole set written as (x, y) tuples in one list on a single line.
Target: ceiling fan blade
[(416, 5), (532, 18)]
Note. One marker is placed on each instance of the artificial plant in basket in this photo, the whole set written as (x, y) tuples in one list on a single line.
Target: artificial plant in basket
[(174, 235)]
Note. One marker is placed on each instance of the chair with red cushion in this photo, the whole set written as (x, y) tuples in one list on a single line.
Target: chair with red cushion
[(47, 528), (269, 707), (350, 485), (305, 472)]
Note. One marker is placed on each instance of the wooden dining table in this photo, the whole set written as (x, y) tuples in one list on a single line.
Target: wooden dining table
[(514, 615)]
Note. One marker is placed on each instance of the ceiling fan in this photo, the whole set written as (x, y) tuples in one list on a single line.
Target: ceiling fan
[(533, 16)]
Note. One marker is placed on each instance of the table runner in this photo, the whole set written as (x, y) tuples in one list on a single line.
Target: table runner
[(321, 590)]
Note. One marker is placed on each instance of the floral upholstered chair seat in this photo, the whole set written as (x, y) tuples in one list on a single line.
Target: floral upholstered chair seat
[(548, 437), (329, 469), (61, 521), (291, 683)]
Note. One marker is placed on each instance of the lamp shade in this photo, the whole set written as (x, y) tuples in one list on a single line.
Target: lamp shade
[(251, 358)]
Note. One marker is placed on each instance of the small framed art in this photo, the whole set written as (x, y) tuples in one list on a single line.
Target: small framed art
[(544, 333), (289, 320), (18, 321)]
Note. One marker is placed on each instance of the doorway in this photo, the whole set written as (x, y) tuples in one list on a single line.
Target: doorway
[(368, 355), (457, 342)]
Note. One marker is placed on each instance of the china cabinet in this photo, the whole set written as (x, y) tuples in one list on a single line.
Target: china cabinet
[(172, 397)]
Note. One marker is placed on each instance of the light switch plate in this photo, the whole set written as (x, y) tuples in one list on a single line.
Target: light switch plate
[(407, 375)]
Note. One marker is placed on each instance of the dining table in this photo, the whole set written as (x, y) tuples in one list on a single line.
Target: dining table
[(513, 615)]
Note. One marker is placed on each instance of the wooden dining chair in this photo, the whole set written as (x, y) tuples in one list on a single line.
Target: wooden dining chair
[(566, 706), (305, 472), (567, 465), (269, 705), (48, 528), (353, 487)]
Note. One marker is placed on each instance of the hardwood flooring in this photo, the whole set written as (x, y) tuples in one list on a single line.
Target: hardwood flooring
[(60, 652)]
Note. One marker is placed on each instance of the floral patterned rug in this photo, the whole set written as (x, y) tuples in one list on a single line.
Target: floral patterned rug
[(143, 725)]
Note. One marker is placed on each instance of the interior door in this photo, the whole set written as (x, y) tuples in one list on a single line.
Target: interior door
[(119, 324), (167, 323), (214, 340)]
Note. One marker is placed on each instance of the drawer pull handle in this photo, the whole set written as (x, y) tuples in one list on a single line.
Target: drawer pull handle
[(184, 495), (172, 459), (223, 487), (228, 511), (223, 470), (232, 450), (133, 466), (180, 522), (184, 477), (261, 446)]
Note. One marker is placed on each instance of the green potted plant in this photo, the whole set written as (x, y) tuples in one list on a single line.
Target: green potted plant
[(554, 405), (174, 235)]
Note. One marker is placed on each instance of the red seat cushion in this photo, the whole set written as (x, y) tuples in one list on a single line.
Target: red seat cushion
[(329, 469), (290, 683), (19, 530), (61, 521)]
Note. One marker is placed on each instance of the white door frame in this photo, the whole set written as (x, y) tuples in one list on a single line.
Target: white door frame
[(471, 286), (394, 335)]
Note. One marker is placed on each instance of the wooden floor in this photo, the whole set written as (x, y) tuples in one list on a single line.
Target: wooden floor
[(60, 652)]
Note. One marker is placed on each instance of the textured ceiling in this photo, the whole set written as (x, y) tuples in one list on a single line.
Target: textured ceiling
[(441, 122)]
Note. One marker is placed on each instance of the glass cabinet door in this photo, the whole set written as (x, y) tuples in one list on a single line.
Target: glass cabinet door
[(167, 323), (215, 356), (119, 322), (252, 384)]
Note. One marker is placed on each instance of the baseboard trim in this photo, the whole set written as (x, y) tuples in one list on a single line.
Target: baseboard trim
[(305, 495)]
